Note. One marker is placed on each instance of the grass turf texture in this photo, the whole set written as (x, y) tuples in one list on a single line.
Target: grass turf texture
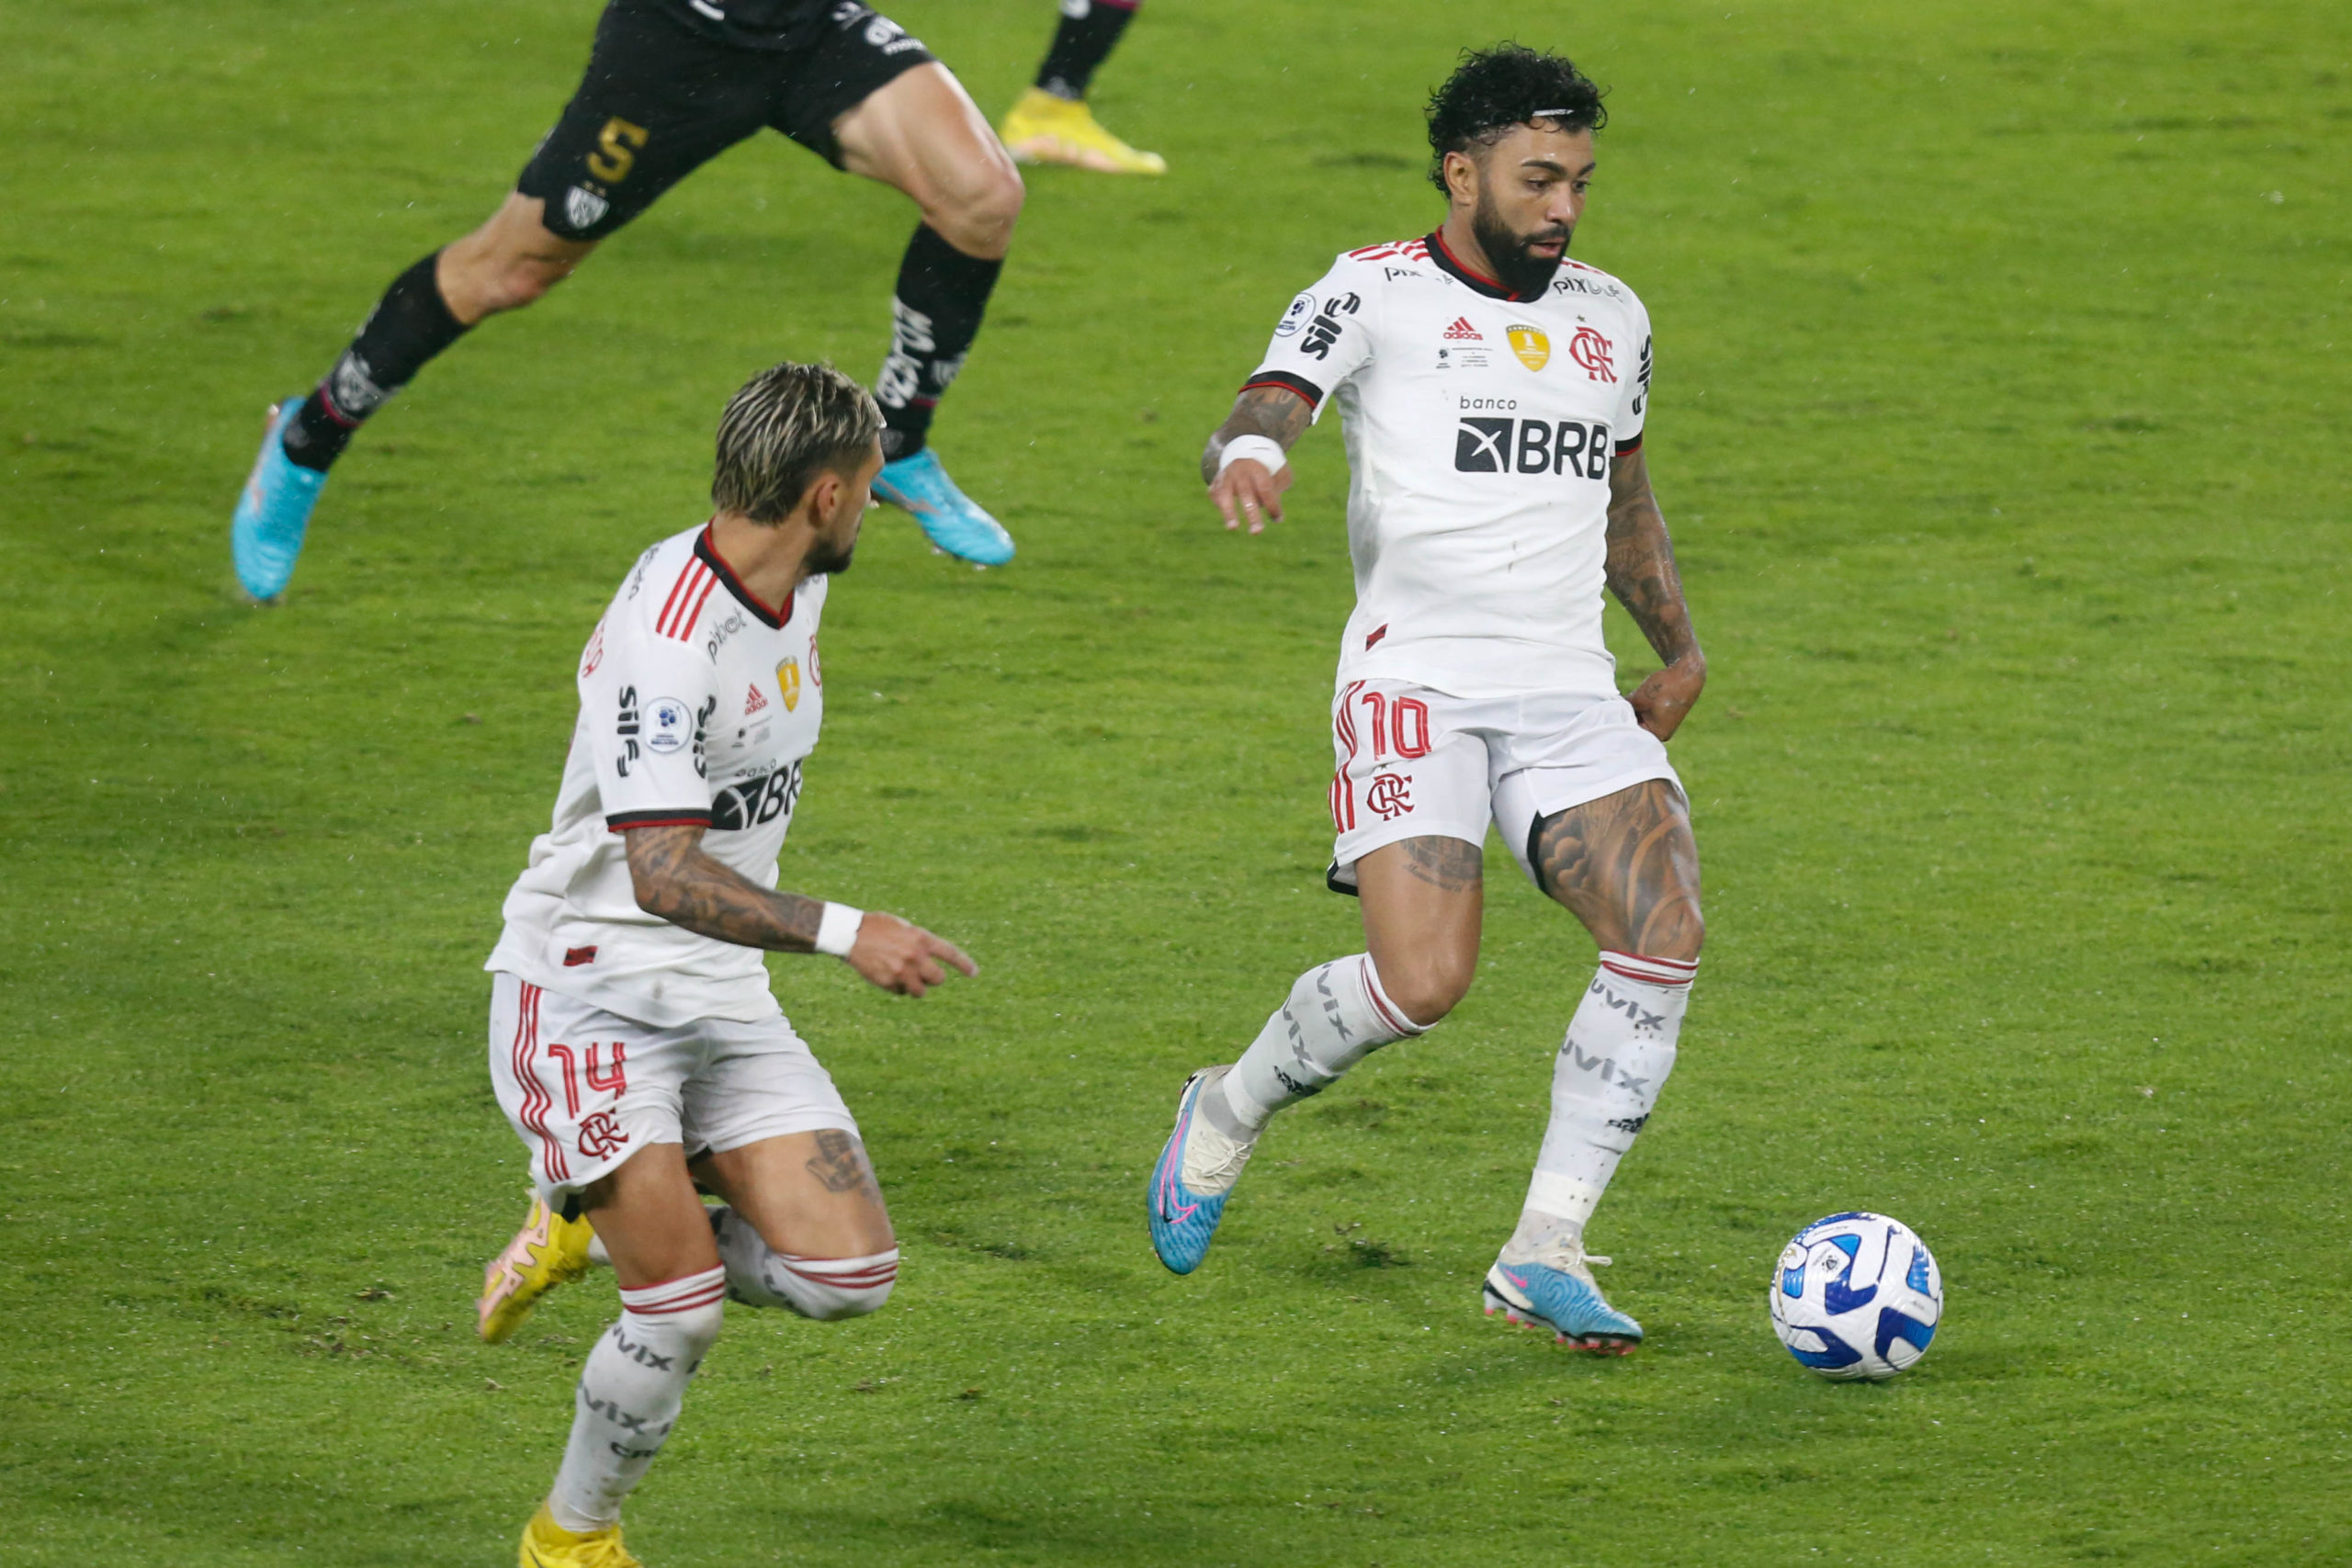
[(1997, 414)]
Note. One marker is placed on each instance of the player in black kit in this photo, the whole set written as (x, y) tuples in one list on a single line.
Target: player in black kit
[(670, 84)]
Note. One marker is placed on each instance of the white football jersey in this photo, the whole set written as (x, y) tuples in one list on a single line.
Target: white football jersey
[(1480, 429), (698, 705)]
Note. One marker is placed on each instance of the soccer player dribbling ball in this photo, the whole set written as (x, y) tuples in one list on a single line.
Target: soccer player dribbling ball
[(634, 1042), (670, 84), (1493, 394)]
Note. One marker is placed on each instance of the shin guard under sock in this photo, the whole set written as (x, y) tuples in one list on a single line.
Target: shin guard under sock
[(409, 326), (1089, 30), (1336, 1015), (934, 316), (630, 1393), (1605, 1082)]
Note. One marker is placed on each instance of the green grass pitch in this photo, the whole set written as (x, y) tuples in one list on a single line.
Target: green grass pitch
[(2000, 415)]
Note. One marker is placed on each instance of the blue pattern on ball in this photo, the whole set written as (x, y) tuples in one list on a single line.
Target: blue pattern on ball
[(1893, 1326), (1835, 1353)]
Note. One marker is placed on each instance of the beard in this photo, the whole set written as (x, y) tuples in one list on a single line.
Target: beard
[(830, 557), (829, 560), (1517, 267)]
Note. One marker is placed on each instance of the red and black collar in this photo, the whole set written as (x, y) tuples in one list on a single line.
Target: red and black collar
[(710, 556), (1447, 261)]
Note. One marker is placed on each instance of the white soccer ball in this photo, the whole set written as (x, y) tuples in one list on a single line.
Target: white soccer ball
[(1857, 1295)]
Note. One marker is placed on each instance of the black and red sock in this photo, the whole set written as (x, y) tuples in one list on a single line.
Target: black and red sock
[(1090, 30), (409, 325), (934, 316)]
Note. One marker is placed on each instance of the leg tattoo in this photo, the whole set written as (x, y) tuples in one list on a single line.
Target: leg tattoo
[(1626, 866), (1450, 866), (841, 1166)]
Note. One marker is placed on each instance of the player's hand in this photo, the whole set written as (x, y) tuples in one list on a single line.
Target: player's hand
[(901, 956), (1245, 492), (1662, 701)]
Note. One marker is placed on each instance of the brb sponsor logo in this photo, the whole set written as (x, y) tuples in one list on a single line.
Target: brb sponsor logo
[(1484, 446), (1325, 329), (755, 801)]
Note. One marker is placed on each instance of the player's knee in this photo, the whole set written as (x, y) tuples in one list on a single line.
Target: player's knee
[(977, 215), (525, 280), (683, 1337), (699, 1326), (1428, 985), (1676, 932)]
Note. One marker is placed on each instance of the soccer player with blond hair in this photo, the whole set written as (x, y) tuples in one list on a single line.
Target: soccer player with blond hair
[(1494, 395), (634, 1042)]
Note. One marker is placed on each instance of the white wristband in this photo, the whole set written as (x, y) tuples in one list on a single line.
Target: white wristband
[(837, 931), (1257, 450)]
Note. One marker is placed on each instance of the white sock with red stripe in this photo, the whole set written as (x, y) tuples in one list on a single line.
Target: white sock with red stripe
[(1619, 1050), (822, 1288), (1336, 1015), (630, 1394)]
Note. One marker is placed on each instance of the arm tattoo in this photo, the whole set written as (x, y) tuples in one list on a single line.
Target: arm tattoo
[(1641, 561), (1626, 866), (1449, 864), (841, 1164), (678, 881), (1276, 412)]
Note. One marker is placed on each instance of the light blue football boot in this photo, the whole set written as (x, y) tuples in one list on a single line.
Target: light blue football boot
[(1562, 1297), (1183, 1218), (265, 536), (954, 522)]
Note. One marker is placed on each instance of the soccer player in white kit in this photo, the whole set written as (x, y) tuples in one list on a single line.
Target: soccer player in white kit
[(634, 1042), (1493, 395)]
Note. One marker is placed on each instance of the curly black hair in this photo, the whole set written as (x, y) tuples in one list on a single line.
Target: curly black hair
[(1495, 89)]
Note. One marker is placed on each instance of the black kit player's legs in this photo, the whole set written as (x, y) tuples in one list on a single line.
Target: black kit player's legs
[(409, 325), (507, 263), (934, 316), (1090, 30), (922, 134), (657, 102), (918, 133)]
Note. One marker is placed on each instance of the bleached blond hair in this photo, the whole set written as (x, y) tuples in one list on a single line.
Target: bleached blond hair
[(788, 424)]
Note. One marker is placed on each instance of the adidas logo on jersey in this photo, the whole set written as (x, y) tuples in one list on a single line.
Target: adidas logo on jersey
[(754, 703), (1463, 332)]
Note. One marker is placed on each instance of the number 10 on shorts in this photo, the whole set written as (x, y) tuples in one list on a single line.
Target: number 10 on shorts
[(1398, 728)]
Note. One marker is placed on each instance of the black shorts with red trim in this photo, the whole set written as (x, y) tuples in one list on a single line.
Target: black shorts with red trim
[(661, 98)]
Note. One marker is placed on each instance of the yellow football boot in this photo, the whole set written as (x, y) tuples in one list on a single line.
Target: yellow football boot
[(1043, 128), (549, 1250), (547, 1544)]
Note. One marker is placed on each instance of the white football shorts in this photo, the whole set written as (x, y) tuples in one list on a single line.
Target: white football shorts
[(586, 1088), (1415, 762)]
